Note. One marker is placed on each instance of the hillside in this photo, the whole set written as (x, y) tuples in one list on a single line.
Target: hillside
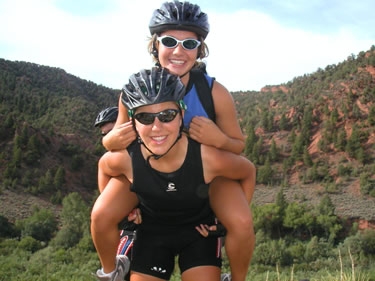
[(311, 136), (49, 146), (315, 135)]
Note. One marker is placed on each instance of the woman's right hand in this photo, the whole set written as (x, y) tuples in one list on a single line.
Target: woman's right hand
[(120, 137), (135, 216)]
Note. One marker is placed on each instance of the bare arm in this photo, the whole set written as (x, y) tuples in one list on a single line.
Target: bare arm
[(229, 165), (226, 134), (114, 164), (122, 133)]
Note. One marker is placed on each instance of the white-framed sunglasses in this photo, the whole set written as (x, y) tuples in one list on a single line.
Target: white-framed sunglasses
[(171, 42)]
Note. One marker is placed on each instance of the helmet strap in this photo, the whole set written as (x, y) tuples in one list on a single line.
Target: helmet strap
[(158, 156), (154, 155)]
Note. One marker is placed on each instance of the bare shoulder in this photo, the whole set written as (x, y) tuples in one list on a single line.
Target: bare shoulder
[(213, 158), (219, 91), (223, 99)]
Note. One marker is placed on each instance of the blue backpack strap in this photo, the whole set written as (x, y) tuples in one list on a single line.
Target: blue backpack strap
[(204, 91)]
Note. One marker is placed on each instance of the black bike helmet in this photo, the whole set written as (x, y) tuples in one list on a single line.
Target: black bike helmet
[(107, 115), (178, 15), (151, 87)]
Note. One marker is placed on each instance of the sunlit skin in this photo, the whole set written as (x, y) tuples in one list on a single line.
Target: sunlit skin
[(224, 134), (158, 136), (178, 60)]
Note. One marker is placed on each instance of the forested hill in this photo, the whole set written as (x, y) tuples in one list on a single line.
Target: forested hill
[(311, 136), (48, 143), (315, 135)]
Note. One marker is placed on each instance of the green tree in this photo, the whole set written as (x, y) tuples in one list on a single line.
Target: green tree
[(77, 162), (298, 218), (46, 182), (307, 157), (265, 173), (41, 225), (274, 154), (326, 206), (316, 249), (30, 244), (268, 218), (257, 151), (327, 220), (59, 177), (297, 149), (306, 125), (334, 116), (353, 143), (274, 252), (371, 116), (281, 201), (74, 220), (368, 241), (251, 139), (341, 139), (283, 123), (7, 228), (365, 183), (17, 157)]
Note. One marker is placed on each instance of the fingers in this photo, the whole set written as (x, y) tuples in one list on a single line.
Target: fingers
[(217, 230), (135, 216), (203, 229), (138, 219)]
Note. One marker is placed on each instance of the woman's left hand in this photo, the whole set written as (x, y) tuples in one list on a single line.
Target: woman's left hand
[(205, 131)]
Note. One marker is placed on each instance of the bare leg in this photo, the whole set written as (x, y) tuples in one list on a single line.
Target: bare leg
[(201, 273), (135, 276), (114, 203), (232, 209)]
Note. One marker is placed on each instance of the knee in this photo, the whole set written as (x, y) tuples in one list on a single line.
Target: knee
[(100, 218), (241, 226)]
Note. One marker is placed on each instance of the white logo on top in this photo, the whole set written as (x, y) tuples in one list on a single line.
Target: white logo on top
[(171, 187)]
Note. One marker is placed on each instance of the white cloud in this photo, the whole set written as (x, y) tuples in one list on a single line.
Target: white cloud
[(248, 49)]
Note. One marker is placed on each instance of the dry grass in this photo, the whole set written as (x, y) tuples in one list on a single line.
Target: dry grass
[(344, 274)]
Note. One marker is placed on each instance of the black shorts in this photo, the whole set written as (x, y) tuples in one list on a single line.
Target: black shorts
[(154, 252)]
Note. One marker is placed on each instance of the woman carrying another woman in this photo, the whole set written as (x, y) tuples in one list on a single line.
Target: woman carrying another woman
[(170, 174)]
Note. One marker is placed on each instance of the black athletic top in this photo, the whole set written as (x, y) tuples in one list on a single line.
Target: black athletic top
[(171, 200)]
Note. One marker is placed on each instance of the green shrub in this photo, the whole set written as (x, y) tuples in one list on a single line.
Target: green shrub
[(30, 244)]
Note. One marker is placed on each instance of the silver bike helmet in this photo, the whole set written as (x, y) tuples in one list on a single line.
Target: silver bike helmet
[(178, 15), (151, 87), (105, 116)]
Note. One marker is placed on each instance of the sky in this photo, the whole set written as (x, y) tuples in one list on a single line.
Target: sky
[(252, 43)]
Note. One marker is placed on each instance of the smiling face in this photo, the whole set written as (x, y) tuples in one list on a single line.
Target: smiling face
[(178, 60), (158, 136)]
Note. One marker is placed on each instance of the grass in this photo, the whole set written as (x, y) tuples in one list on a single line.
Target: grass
[(344, 274)]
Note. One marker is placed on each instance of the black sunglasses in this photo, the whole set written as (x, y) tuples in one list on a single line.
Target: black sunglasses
[(165, 116), (171, 42)]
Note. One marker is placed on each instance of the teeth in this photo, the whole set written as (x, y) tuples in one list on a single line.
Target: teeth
[(158, 138), (177, 62)]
